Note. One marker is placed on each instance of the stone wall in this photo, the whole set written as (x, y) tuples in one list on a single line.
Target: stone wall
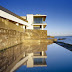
[(11, 34), (10, 37), (7, 24), (36, 34)]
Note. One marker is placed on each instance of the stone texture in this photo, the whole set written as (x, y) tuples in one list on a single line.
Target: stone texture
[(7, 24), (10, 37), (42, 34)]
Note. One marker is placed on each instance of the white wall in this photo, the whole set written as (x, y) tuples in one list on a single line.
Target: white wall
[(30, 27), (13, 18), (30, 18), (30, 21)]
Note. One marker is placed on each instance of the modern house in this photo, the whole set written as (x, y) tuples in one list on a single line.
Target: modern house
[(31, 21), (29, 28), (36, 21)]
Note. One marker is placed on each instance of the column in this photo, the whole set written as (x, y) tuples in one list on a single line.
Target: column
[(42, 27), (42, 53), (23, 27), (17, 24)]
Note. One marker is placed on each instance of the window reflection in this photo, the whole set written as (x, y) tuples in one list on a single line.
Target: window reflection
[(37, 20)]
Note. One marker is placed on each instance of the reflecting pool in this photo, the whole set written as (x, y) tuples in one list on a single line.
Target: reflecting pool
[(36, 57)]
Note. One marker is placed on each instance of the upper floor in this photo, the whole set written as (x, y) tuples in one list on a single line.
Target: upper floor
[(26, 22), (36, 21)]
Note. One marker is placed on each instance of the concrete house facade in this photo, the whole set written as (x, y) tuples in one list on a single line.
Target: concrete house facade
[(36, 21)]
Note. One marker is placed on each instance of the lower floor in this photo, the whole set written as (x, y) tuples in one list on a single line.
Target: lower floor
[(36, 27), (40, 27)]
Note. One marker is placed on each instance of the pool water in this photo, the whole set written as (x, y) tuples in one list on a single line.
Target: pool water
[(54, 58)]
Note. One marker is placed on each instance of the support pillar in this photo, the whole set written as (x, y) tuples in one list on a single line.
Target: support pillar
[(42, 27), (17, 24), (42, 53), (23, 27)]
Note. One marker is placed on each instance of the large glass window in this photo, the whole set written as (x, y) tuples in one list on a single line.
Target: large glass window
[(37, 20), (37, 28)]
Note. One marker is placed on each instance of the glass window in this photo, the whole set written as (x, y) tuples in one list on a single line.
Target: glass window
[(39, 61), (37, 20), (36, 27)]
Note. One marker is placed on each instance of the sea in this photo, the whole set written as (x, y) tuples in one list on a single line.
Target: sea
[(67, 39)]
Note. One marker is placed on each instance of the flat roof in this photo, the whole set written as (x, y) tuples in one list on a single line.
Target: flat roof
[(9, 12), (40, 15)]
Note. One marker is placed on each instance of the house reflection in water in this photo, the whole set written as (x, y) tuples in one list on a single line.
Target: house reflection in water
[(32, 55), (37, 59)]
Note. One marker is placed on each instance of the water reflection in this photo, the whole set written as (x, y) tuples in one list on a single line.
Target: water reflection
[(31, 55), (37, 59)]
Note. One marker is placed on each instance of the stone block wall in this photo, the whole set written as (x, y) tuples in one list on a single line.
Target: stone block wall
[(36, 34), (10, 37), (4, 23)]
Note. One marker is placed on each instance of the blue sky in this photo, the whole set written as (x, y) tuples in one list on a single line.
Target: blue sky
[(59, 13)]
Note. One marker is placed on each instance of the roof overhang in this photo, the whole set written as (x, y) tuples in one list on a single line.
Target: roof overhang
[(11, 16)]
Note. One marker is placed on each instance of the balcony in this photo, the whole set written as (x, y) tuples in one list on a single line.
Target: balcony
[(39, 24)]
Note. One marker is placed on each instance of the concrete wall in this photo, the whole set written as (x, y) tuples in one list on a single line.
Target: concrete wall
[(30, 27), (30, 20)]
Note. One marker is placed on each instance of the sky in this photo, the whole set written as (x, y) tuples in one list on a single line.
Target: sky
[(59, 13)]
